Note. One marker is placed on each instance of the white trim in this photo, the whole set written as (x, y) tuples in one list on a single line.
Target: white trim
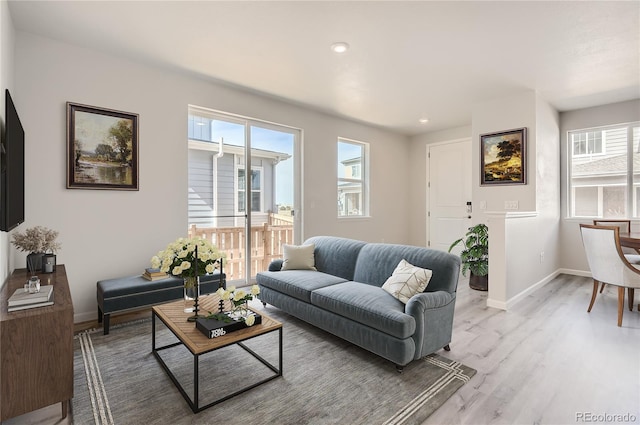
[(573, 272), (502, 305), (511, 214)]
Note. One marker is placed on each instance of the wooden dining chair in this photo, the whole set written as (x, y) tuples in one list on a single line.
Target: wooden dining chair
[(608, 264), (632, 255)]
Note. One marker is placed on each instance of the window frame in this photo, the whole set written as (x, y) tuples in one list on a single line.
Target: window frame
[(260, 170), (603, 141), (631, 210), (362, 180)]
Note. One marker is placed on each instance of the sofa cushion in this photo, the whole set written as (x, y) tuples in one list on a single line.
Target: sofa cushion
[(297, 283), (377, 261), (366, 304), (298, 257), (336, 256), (406, 281)]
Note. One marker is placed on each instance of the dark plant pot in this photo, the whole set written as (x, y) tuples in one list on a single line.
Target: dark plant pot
[(479, 283), (34, 262)]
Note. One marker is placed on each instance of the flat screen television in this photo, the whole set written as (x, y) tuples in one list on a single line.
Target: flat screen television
[(12, 167)]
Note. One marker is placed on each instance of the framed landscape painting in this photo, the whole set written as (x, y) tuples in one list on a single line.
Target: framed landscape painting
[(102, 148), (503, 157)]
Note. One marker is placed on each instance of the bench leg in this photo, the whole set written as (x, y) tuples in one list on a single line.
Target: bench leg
[(99, 315), (106, 323)]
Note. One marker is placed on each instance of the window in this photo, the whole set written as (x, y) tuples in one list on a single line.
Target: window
[(256, 189), (587, 142), (604, 171), (352, 178)]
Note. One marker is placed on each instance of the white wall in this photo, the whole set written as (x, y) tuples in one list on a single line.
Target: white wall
[(500, 115), (7, 40), (108, 234), (517, 239), (417, 212), (572, 255)]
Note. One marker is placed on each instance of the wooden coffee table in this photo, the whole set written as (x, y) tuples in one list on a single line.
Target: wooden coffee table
[(175, 319)]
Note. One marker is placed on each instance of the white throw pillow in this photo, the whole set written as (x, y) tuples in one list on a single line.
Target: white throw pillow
[(407, 280), (298, 257)]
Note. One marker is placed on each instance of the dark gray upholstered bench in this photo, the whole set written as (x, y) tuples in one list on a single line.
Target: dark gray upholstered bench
[(127, 293)]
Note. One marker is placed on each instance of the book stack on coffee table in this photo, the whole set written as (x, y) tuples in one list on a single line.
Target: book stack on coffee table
[(22, 299)]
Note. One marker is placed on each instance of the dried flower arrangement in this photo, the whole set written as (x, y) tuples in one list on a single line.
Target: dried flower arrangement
[(37, 239)]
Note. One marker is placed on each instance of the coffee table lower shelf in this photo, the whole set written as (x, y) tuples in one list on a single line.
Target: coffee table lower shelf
[(187, 339)]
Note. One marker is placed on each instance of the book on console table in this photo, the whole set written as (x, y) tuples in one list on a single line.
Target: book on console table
[(21, 297), (214, 328), (22, 300)]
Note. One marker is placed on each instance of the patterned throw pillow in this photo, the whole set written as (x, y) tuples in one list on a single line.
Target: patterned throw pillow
[(298, 257), (407, 280)]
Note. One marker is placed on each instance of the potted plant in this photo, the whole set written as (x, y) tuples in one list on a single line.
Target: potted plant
[(475, 256), (37, 241)]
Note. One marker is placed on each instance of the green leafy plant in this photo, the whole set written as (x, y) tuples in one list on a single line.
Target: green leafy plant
[(475, 254)]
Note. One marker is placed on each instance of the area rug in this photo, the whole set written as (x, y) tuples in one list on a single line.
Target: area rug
[(325, 380)]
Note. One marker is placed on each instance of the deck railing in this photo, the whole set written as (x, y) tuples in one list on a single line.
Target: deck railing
[(266, 245)]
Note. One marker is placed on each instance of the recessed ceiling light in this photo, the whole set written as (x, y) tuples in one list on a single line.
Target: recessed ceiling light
[(423, 120), (340, 47)]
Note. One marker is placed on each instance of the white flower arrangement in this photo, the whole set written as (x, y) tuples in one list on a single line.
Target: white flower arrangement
[(178, 258), (239, 298)]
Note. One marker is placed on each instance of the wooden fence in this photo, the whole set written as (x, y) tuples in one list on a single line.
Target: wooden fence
[(266, 245)]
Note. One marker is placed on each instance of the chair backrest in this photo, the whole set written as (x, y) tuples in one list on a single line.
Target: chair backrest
[(623, 225), (605, 257)]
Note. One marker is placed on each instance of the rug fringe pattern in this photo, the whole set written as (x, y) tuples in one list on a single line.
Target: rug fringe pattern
[(99, 402), (454, 371)]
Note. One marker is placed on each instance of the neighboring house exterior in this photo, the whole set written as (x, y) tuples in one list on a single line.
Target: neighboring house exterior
[(217, 184), (599, 170), (350, 191)]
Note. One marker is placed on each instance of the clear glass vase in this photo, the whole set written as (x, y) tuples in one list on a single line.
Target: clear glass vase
[(191, 291), (239, 312)]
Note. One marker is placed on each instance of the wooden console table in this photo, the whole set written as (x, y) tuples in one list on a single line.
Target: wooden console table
[(36, 348)]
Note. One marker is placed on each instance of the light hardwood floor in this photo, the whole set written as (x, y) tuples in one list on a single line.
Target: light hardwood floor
[(546, 361)]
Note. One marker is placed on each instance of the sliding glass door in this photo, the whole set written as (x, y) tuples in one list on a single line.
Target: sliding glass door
[(243, 188)]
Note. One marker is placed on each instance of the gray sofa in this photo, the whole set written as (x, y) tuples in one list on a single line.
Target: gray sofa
[(344, 296)]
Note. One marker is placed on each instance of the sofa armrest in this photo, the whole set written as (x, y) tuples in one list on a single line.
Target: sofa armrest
[(275, 265), (433, 313), (426, 301)]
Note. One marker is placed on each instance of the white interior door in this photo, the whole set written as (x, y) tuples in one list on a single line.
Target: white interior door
[(450, 209)]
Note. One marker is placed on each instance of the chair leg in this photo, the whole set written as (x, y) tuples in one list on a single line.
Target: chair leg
[(593, 296), (631, 295), (620, 304), (602, 287)]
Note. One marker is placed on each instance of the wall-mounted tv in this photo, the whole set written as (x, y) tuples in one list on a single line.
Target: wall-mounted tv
[(12, 167)]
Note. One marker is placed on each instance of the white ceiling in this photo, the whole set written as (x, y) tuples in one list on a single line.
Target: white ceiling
[(408, 59)]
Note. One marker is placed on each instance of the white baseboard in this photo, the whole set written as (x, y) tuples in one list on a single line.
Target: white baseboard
[(85, 317), (502, 305), (575, 272)]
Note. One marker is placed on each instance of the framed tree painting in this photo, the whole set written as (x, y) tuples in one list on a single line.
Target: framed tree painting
[(102, 148), (503, 157)]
